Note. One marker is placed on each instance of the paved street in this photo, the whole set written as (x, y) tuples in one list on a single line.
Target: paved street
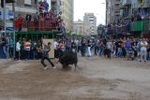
[(96, 79)]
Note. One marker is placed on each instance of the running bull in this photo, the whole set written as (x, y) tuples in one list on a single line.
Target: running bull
[(68, 58)]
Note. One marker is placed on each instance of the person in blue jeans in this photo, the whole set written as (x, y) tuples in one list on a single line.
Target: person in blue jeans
[(143, 50), (148, 53), (3, 46), (119, 49), (45, 56)]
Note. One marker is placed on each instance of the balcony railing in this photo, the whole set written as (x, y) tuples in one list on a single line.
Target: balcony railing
[(126, 2), (140, 25), (54, 1)]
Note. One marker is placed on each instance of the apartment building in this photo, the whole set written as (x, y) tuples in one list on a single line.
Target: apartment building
[(21, 7), (78, 28), (89, 22), (67, 8), (55, 6), (129, 7), (24, 7), (112, 11)]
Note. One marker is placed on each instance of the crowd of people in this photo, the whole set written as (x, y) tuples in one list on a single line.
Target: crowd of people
[(6, 46), (129, 48)]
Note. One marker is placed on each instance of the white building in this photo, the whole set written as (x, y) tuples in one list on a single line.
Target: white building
[(89, 22), (67, 8), (78, 27), (112, 11), (21, 7)]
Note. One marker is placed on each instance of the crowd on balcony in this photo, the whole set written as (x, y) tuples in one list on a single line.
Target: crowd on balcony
[(129, 23), (43, 20)]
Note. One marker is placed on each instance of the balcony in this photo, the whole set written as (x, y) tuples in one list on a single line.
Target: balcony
[(145, 5), (54, 1), (117, 13), (117, 2), (122, 7), (126, 2), (140, 25)]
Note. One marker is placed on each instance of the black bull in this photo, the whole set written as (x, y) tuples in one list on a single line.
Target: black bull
[(68, 58)]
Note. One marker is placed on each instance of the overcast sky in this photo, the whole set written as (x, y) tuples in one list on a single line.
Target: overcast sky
[(90, 6)]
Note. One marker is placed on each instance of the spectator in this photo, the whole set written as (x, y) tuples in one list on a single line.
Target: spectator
[(45, 55), (4, 42), (27, 49), (130, 54), (18, 48), (11, 46), (143, 50)]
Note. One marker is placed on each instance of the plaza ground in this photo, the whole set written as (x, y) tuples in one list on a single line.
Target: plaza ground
[(95, 79)]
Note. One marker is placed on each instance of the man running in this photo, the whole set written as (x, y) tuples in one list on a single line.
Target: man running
[(45, 55)]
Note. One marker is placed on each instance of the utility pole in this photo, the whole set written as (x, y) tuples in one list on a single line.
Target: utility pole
[(13, 10), (4, 15), (14, 38)]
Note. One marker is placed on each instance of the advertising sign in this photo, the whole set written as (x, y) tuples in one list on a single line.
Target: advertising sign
[(8, 14)]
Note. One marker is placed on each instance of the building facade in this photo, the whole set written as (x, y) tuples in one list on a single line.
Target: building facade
[(130, 7), (30, 7), (89, 23), (67, 8), (78, 28), (112, 11), (55, 6), (21, 7), (136, 14)]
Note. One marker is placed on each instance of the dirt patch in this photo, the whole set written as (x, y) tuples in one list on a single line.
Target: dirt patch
[(96, 79), (17, 67)]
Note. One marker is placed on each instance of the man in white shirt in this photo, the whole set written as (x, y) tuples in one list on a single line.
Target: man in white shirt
[(143, 50), (109, 46), (18, 48)]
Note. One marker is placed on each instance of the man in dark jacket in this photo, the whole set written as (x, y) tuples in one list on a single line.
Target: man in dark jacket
[(45, 55), (83, 47)]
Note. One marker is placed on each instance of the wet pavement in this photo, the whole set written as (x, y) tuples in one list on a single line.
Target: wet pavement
[(95, 79)]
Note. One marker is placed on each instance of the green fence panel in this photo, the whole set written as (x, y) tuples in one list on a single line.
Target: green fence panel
[(139, 25), (36, 34)]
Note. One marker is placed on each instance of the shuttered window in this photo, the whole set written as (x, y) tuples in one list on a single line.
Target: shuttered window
[(27, 2)]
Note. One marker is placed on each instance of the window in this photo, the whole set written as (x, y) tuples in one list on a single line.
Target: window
[(27, 2)]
